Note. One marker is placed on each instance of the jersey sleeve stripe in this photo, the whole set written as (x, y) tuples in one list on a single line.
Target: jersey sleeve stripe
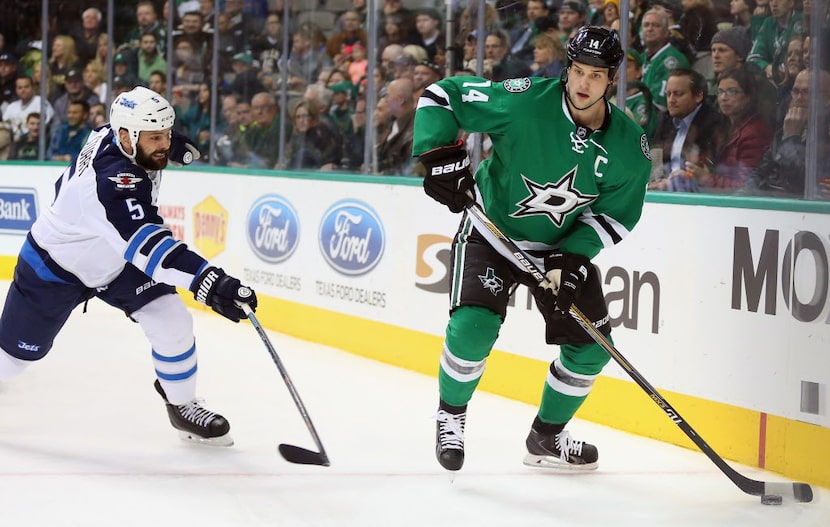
[(609, 230), (148, 246), (434, 96), (159, 253), (139, 238)]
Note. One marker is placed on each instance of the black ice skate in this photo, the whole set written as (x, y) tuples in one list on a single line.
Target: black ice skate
[(196, 423), (449, 437), (559, 451)]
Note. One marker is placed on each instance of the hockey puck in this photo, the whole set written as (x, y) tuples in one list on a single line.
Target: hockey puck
[(772, 499)]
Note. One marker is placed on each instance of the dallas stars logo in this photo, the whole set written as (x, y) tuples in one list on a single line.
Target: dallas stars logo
[(491, 281), (555, 200)]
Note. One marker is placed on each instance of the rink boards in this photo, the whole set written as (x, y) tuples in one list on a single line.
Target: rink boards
[(722, 304)]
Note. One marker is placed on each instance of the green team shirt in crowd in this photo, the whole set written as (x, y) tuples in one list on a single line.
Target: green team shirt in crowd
[(656, 71), (544, 182), (644, 112)]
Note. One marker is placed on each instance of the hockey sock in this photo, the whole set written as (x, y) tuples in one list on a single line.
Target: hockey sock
[(471, 333), (570, 380)]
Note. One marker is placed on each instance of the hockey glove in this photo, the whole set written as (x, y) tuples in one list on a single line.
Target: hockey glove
[(567, 274), (448, 180), (221, 292), (183, 151)]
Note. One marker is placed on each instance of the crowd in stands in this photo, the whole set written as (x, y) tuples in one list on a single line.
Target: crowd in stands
[(719, 86)]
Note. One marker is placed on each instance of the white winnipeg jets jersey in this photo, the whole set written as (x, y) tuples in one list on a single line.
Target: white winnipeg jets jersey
[(104, 216)]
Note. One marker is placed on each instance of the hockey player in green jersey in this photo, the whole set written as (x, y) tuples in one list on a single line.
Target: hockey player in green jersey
[(566, 178)]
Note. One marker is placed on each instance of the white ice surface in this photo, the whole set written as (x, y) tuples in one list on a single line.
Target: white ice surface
[(85, 441)]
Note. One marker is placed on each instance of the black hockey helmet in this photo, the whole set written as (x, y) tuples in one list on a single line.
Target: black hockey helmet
[(596, 46)]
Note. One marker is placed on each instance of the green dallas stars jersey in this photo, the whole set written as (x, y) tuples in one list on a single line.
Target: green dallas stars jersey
[(545, 185)]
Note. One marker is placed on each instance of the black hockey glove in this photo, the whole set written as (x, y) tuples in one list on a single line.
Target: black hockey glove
[(448, 179), (221, 292), (567, 274), (183, 151)]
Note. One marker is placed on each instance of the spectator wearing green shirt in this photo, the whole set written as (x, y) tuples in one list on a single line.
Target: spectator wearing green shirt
[(661, 57), (769, 52)]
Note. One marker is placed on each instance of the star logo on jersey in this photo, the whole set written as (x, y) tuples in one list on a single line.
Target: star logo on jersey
[(491, 281), (125, 181), (553, 199)]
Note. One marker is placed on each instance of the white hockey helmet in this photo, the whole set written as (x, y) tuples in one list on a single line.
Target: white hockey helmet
[(141, 110)]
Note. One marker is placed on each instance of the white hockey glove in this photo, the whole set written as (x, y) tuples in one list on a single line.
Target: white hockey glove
[(221, 292), (567, 274), (183, 151)]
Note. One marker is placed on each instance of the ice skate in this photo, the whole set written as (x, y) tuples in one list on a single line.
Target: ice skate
[(197, 424), (559, 451), (449, 439)]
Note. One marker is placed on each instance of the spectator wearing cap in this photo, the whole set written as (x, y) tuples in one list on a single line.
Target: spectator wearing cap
[(504, 67), (121, 69), (769, 50), (548, 57), (428, 33), (15, 113), (8, 76), (571, 18), (71, 135), (730, 48), (149, 57), (523, 45), (246, 81), (610, 12), (425, 74), (340, 107), (351, 34), (75, 91), (661, 57), (638, 98)]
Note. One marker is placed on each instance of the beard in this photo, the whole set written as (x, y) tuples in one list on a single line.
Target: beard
[(146, 160)]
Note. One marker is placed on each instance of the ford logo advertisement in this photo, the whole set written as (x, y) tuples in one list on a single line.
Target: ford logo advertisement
[(273, 228), (351, 237), (18, 210)]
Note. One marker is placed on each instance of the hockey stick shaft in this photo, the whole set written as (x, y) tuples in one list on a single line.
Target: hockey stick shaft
[(801, 492), (291, 453)]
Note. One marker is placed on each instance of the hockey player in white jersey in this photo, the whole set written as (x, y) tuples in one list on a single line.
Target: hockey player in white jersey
[(103, 237)]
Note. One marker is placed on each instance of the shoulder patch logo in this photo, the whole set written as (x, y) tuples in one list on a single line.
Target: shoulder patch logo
[(670, 62), (125, 181), (517, 85), (644, 146)]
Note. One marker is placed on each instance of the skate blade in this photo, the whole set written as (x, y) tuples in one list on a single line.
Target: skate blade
[(189, 437), (555, 464)]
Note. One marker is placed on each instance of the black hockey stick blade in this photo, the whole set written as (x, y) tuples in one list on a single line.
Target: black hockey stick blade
[(303, 456), (291, 453), (800, 492)]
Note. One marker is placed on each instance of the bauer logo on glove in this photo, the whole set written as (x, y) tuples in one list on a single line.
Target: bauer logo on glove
[(451, 167)]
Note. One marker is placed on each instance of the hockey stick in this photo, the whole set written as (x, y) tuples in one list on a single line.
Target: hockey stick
[(771, 493), (291, 453)]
